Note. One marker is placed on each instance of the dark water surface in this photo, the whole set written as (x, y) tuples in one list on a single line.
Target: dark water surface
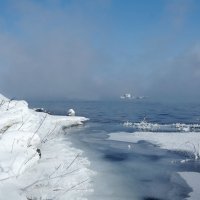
[(128, 171)]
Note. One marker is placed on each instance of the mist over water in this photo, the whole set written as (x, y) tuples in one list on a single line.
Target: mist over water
[(127, 171), (100, 49)]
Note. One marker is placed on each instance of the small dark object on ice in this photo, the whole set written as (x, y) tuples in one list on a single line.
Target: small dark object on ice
[(39, 152), (41, 110)]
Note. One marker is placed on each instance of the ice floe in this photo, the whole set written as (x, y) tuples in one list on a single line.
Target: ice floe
[(189, 141), (178, 141), (147, 126)]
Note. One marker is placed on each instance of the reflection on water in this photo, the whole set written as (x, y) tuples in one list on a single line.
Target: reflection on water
[(128, 171)]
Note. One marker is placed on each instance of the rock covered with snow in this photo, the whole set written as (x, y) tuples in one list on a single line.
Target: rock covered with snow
[(36, 162), (71, 112)]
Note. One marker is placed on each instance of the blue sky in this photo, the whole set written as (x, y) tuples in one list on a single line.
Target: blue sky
[(99, 49)]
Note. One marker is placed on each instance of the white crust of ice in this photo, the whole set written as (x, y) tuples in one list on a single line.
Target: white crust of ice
[(192, 179), (186, 141)]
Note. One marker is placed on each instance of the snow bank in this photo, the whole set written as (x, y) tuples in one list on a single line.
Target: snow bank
[(2, 98), (36, 161)]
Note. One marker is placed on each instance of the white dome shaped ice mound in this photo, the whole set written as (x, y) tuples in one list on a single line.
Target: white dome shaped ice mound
[(71, 112)]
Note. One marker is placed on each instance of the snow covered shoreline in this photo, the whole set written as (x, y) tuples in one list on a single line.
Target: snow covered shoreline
[(36, 160)]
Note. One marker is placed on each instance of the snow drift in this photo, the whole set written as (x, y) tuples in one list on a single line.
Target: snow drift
[(36, 160)]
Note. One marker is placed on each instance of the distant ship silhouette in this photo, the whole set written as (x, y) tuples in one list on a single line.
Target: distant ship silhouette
[(130, 96)]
